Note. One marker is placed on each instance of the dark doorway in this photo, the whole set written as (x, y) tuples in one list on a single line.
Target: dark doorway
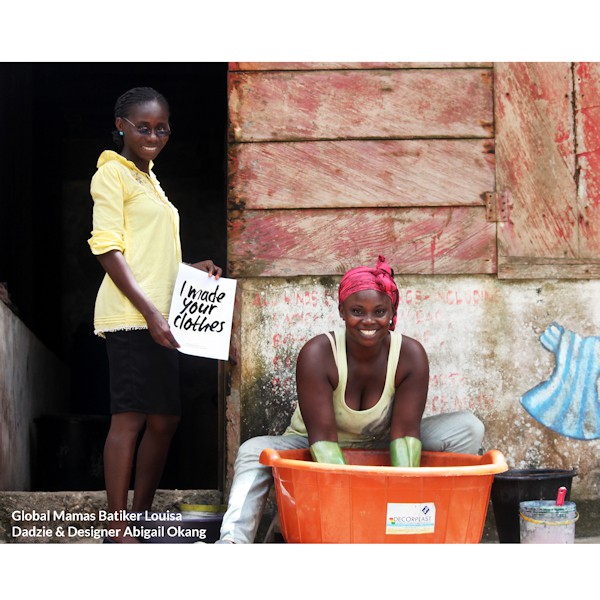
[(58, 117)]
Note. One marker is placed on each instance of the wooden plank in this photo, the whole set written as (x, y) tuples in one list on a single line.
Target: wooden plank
[(361, 173), (312, 105), (535, 160), (587, 120), (314, 66), (548, 268), (330, 241)]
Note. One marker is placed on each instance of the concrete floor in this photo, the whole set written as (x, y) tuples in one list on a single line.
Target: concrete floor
[(588, 540)]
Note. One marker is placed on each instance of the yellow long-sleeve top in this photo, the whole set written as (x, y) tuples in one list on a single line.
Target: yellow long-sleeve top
[(133, 215)]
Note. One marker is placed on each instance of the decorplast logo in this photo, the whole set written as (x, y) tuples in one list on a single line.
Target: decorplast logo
[(410, 519)]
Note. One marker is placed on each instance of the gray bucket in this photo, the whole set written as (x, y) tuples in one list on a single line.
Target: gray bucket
[(545, 522)]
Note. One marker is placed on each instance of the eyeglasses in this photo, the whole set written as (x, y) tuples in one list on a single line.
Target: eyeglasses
[(144, 130)]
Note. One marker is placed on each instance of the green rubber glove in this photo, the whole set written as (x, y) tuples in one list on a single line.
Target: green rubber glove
[(327, 452), (405, 452)]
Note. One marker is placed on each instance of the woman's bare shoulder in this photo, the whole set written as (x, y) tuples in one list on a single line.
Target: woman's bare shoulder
[(412, 346), (316, 348), (413, 359)]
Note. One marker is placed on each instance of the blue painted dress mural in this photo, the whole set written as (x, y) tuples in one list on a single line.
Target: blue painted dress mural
[(568, 402)]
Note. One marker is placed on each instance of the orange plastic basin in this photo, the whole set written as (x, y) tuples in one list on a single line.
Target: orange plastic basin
[(368, 501)]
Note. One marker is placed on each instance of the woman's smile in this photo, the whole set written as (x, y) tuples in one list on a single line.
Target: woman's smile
[(368, 332)]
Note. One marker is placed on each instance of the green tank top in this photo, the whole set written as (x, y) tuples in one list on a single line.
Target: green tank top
[(357, 426)]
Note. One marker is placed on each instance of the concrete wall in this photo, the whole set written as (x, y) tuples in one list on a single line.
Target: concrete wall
[(483, 340), (32, 381)]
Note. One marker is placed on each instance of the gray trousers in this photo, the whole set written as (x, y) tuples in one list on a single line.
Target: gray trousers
[(450, 432)]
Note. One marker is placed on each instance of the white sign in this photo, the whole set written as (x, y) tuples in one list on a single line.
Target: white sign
[(202, 312), (405, 519)]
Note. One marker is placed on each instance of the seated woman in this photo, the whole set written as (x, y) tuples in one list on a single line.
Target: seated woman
[(362, 386)]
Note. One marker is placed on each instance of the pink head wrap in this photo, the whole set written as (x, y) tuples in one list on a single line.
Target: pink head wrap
[(380, 279)]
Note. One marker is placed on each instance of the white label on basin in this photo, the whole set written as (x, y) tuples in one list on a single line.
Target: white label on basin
[(404, 519)]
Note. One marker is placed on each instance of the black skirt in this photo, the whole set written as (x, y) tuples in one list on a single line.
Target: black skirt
[(144, 376)]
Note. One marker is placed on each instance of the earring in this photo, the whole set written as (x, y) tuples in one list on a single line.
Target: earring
[(121, 133)]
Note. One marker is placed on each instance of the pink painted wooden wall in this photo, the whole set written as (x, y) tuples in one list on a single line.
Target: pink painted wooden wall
[(548, 162), (331, 164)]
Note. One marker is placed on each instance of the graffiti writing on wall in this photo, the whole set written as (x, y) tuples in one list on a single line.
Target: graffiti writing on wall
[(568, 401), (450, 321)]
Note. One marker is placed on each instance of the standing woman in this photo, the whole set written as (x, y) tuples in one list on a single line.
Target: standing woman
[(136, 240)]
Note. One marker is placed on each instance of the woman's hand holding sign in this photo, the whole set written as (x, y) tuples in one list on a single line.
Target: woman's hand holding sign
[(209, 267)]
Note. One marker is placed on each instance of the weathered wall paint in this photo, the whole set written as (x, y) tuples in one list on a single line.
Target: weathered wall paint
[(403, 103), (331, 241), (587, 122), (482, 338), (32, 381), (547, 125), (326, 164), (319, 66), (535, 159), (361, 173)]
